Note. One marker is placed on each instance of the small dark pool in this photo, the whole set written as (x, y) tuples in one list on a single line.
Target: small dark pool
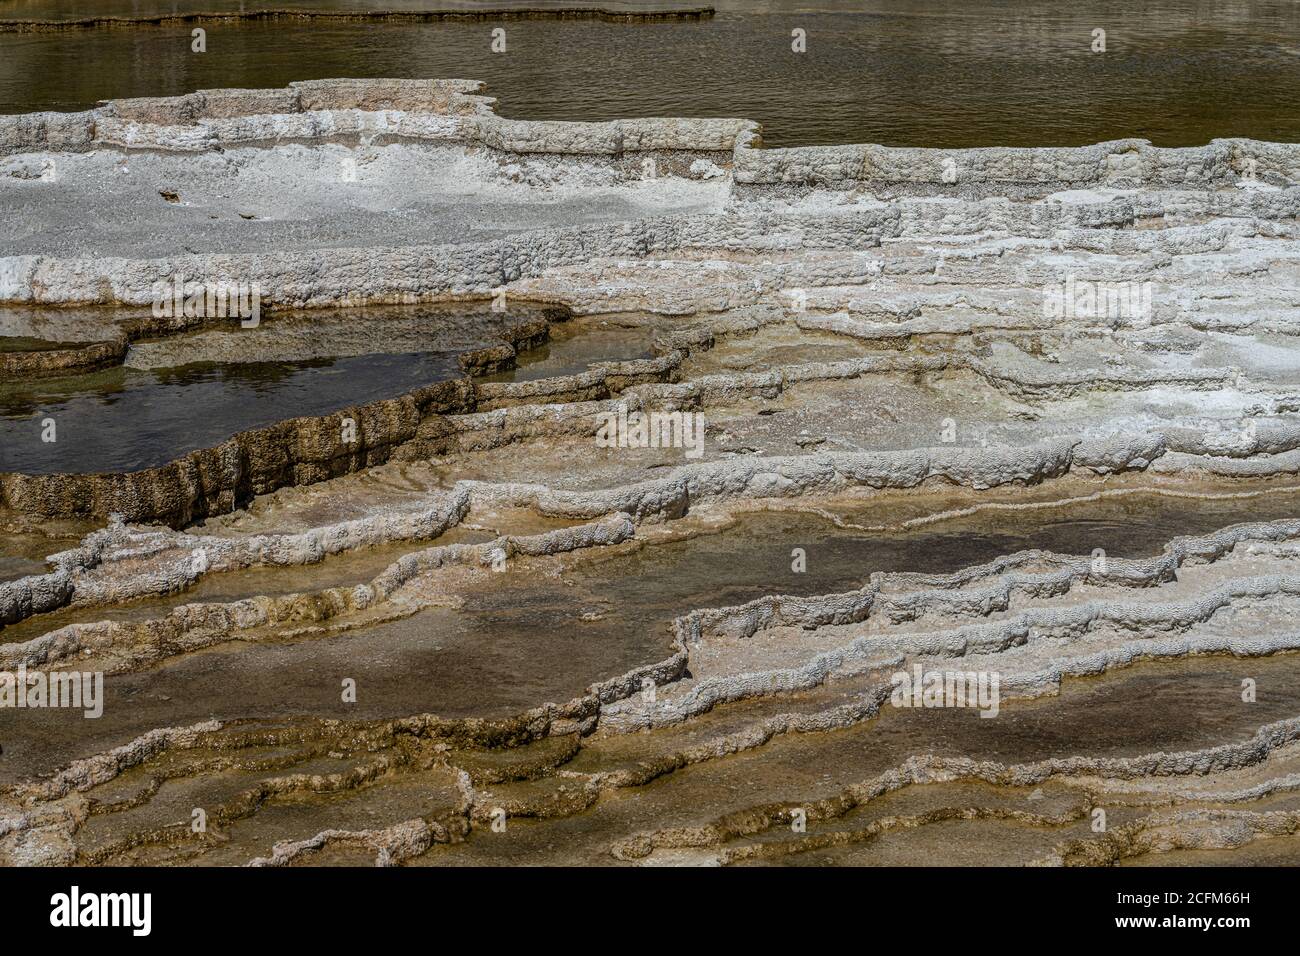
[(126, 419)]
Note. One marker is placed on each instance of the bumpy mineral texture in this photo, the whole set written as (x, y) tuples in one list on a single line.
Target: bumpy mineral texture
[(876, 505)]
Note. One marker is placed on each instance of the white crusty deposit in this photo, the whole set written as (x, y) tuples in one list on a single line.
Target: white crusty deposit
[(896, 358)]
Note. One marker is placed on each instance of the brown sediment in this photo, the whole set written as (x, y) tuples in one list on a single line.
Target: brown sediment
[(544, 783), (455, 414), (298, 451), (51, 362), (621, 653), (92, 356), (19, 364)]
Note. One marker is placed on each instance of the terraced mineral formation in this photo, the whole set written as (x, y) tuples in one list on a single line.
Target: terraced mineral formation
[(823, 505)]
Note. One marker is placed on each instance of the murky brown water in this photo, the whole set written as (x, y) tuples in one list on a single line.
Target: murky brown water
[(1183, 705), (576, 344), (534, 637), (197, 389), (900, 72)]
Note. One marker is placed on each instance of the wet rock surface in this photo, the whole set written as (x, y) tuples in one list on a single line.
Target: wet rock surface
[(1024, 419)]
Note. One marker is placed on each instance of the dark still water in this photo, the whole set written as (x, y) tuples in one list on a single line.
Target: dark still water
[(125, 420), (901, 72)]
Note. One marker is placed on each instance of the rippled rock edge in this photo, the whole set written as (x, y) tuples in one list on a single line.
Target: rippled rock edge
[(604, 14)]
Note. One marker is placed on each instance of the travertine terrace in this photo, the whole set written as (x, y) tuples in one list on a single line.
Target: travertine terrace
[(1030, 413)]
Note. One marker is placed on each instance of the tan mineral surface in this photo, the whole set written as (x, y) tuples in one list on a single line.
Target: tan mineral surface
[(722, 445)]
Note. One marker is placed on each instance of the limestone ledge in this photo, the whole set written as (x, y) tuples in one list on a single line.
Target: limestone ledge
[(300, 450), (951, 598), (39, 807), (1256, 185), (210, 118), (128, 645), (461, 415), (426, 110), (1161, 772)]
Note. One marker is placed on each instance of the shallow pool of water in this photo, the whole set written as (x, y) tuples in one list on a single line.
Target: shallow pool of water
[(544, 635), (125, 420), (193, 390)]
